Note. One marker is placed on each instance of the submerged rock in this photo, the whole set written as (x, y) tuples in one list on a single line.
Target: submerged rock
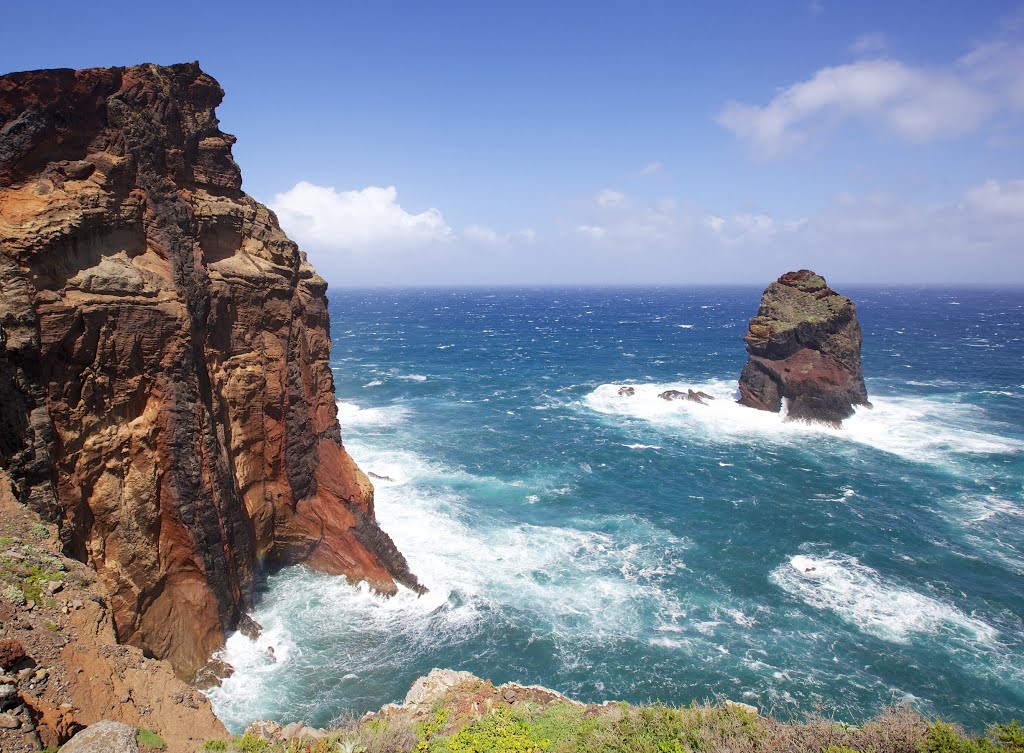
[(804, 345), (691, 395), (626, 391)]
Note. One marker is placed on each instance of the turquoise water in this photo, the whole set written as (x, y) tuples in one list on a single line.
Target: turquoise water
[(630, 548)]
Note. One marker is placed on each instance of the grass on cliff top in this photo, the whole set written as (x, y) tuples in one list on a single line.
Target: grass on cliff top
[(622, 728)]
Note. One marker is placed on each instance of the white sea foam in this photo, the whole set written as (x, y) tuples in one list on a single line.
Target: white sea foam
[(571, 582), (885, 609), (411, 377), (917, 428), (981, 508), (350, 415)]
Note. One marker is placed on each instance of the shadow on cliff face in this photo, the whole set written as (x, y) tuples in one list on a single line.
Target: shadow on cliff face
[(167, 397)]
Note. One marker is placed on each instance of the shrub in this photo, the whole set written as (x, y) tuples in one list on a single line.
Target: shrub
[(14, 595), (1009, 737), (251, 744), (150, 739), (215, 746), (500, 731), (40, 531)]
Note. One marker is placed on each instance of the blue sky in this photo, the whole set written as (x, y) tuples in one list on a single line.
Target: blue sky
[(603, 142)]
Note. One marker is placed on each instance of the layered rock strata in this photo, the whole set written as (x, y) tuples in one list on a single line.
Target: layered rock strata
[(804, 348), (165, 391)]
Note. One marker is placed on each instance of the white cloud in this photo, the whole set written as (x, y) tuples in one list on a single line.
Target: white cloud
[(595, 232), (481, 234), (323, 218), (486, 236), (651, 168), (869, 44), (916, 104), (998, 67), (869, 237), (999, 198), (610, 198)]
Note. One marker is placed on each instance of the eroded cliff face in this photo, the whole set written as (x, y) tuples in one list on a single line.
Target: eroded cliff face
[(165, 391), (804, 345)]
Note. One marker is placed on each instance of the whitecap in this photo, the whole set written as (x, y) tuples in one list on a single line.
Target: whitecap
[(883, 608), (350, 415), (981, 508), (921, 429)]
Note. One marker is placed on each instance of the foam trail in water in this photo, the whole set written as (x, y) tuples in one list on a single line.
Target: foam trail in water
[(860, 596)]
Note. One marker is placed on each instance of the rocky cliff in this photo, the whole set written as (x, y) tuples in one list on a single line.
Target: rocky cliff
[(165, 392), (804, 347)]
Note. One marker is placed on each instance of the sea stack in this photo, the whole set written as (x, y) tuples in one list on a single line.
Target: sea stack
[(166, 396), (804, 347)]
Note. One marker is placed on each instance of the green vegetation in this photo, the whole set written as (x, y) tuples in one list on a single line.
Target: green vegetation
[(149, 739), (40, 531), (251, 744), (475, 723), (427, 730), (14, 594), (501, 731), (945, 738), (26, 575), (563, 727)]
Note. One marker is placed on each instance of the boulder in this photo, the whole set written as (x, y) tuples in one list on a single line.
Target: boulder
[(104, 737), (427, 689), (627, 391)]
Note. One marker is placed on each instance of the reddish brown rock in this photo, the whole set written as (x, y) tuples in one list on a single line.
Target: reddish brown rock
[(804, 347), (165, 392), (12, 653)]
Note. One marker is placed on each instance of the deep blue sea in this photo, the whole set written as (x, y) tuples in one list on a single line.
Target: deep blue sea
[(631, 548)]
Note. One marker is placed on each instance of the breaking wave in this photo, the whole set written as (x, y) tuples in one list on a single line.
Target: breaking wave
[(921, 429)]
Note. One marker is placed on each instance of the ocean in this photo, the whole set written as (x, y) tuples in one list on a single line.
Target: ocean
[(636, 549)]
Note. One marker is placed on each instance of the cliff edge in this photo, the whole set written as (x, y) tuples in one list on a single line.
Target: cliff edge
[(804, 347), (165, 392)]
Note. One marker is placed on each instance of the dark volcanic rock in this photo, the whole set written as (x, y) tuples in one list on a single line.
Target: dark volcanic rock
[(166, 396), (626, 391), (804, 347)]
